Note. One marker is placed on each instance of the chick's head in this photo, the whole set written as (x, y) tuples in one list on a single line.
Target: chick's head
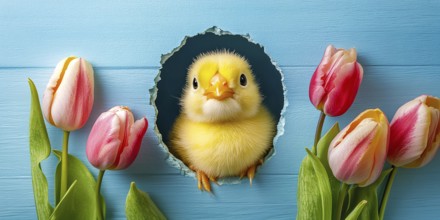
[(220, 87)]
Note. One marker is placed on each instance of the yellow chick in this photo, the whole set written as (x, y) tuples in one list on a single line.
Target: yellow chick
[(223, 129)]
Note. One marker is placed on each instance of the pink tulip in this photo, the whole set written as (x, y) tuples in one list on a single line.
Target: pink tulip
[(415, 132), (68, 98), (335, 82), (357, 154), (115, 139)]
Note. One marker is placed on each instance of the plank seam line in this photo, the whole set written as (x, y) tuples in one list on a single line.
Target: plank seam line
[(157, 67)]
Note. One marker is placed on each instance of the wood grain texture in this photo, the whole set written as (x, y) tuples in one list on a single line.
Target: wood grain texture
[(294, 32), (397, 43)]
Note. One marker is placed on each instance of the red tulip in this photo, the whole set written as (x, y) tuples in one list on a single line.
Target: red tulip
[(415, 132), (68, 98), (335, 82), (357, 154), (115, 139)]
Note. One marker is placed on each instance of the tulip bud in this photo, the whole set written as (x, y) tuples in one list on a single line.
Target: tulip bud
[(115, 139), (357, 154), (335, 82), (68, 98), (415, 132)]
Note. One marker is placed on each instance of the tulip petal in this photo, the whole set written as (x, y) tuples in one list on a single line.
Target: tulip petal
[(340, 58), (103, 141), (73, 100), (316, 88), (126, 119), (346, 155), (52, 87), (329, 51), (129, 152), (375, 156), (409, 133), (432, 140), (343, 89), (328, 59)]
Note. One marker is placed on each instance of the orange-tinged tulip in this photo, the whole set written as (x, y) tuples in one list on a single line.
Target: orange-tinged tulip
[(415, 132), (336, 80), (115, 139), (68, 98), (357, 154)]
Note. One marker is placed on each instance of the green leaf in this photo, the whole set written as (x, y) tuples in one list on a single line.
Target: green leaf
[(66, 206), (357, 211), (39, 150), (81, 203), (325, 141), (139, 206), (314, 193), (323, 146), (357, 194)]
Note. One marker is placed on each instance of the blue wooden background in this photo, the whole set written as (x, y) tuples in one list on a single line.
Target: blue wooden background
[(398, 44)]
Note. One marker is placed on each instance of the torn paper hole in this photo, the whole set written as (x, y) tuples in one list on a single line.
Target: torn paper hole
[(170, 81)]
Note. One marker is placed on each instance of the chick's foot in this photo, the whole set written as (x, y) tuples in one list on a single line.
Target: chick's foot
[(203, 180), (250, 172)]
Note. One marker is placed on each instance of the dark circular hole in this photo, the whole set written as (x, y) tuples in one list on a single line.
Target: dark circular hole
[(166, 97)]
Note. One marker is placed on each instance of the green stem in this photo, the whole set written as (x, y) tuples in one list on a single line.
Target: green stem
[(64, 170), (318, 132), (386, 194), (98, 195), (341, 197)]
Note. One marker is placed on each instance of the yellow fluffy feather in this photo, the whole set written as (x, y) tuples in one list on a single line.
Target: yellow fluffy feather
[(223, 129)]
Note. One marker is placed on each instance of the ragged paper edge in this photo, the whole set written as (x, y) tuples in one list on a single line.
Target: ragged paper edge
[(177, 163)]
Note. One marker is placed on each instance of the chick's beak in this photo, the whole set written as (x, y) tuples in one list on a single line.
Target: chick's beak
[(219, 88)]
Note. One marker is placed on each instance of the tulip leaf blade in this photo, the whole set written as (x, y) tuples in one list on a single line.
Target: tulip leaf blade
[(354, 215), (40, 148), (323, 145), (314, 194), (65, 204), (139, 205), (357, 194), (82, 196)]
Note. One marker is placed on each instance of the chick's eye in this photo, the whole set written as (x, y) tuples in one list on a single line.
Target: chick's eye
[(243, 80), (195, 83)]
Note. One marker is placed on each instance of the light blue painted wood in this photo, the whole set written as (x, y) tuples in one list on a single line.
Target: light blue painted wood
[(135, 33), (397, 43)]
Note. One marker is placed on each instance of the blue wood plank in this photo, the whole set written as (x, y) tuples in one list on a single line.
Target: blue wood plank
[(177, 199), (295, 33), (273, 195)]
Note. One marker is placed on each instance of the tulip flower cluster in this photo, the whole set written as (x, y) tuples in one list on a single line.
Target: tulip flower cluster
[(357, 154), (115, 138)]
